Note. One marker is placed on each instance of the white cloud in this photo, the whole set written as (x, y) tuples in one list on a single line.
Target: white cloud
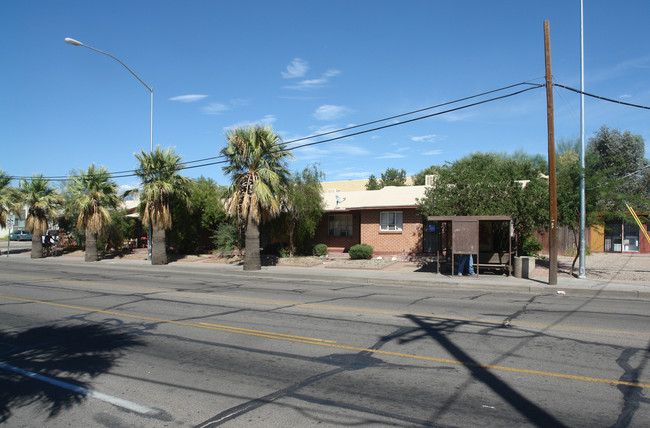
[(238, 102), (269, 119), (220, 108), (188, 98), (425, 138), (327, 150), (432, 152), (330, 112), (296, 68), (391, 156), (348, 149), (315, 83), (332, 73), (456, 117), (215, 108)]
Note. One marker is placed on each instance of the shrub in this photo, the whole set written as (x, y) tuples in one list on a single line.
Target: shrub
[(361, 251), (531, 247), (320, 250), (226, 238)]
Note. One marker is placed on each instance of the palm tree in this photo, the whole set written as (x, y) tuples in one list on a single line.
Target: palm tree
[(40, 200), (6, 202), (258, 171), (92, 193), (161, 182)]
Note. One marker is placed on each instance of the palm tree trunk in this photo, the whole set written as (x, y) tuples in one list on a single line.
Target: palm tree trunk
[(37, 246), (252, 259), (91, 247), (158, 247)]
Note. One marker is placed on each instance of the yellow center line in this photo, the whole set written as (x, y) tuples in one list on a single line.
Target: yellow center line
[(334, 344), (327, 307), (238, 329)]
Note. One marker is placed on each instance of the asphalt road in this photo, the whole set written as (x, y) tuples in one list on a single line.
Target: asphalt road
[(141, 346)]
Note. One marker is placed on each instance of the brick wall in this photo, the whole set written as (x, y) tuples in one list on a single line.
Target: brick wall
[(337, 244), (408, 240), (365, 230)]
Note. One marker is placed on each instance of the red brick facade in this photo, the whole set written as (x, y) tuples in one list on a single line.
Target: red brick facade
[(366, 230)]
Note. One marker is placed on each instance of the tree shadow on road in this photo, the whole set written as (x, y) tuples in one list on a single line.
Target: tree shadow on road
[(70, 354), (438, 330)]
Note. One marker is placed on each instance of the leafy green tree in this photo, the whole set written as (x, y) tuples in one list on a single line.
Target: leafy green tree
[(372, 183), (393, 177), (41, 201), (491, 184), (120, 228), (390, 177), (620, 160), (92, 194), (227, 237), (161, 184), (258, 171), (568, 189), (194, 228), (304, 206)]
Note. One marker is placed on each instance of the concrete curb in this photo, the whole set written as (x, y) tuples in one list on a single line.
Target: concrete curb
[(572, 287)]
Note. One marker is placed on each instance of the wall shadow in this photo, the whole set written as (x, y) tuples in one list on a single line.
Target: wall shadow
[(71, 354), (438, 330)]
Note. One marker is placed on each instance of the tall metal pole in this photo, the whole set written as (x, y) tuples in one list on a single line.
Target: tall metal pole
[(583, 203), (74, 42), (552, 232)]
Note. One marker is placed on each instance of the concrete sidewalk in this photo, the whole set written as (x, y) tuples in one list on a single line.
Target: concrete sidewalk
[(400, 273), (408, 274)]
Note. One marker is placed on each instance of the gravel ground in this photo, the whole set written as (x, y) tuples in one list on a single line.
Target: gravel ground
[(601, 266)]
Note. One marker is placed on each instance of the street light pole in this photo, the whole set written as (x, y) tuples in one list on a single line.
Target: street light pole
[(74, 42)]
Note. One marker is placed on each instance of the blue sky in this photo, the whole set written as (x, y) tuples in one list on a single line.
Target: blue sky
[(308, 67)]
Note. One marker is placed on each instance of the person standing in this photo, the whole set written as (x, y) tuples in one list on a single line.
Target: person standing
[(466, 259)]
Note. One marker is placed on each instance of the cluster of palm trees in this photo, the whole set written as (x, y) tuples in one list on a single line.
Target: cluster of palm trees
[(255, 162)]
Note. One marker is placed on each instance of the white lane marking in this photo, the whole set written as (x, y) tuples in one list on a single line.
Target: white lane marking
[(119, 402)]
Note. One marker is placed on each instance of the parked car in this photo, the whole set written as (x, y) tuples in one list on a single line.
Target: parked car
[(20, 235)]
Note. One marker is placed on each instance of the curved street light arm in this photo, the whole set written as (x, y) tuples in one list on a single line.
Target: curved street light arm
[(74, 42)]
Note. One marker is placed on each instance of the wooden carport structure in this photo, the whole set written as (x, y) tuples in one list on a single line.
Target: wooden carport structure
[(489, 238)]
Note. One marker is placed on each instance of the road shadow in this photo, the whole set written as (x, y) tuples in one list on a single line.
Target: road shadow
[(70, 354), (439, 330)]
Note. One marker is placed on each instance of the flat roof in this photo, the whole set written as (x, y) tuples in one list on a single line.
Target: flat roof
[(470, 217), (387, 197)]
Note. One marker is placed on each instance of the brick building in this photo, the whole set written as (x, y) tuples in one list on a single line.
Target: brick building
[(386, 219)]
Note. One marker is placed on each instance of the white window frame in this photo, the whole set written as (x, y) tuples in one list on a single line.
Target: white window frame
[(391, 221), (339, 225)]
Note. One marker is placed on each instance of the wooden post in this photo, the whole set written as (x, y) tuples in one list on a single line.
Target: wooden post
[(552, 188)]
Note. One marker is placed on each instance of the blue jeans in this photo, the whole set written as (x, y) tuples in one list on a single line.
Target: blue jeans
[(465, 259)]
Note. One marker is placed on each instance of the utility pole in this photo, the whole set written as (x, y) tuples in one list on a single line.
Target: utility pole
[(552, 188), (583, 203)]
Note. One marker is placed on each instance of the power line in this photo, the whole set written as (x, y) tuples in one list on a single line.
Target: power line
[(417, 118), (601, 98), (336, 131), (202, 162)]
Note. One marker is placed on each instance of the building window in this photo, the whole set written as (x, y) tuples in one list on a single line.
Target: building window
[(390, 220), (340, 225), (621, 236)]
